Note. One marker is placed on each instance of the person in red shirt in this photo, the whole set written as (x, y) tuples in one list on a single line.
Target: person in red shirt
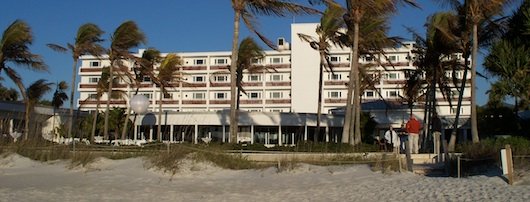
[(413, 128)]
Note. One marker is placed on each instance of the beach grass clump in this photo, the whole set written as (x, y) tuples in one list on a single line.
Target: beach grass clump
[(226, 160), (82, 159), (168, 161), (41, 150)]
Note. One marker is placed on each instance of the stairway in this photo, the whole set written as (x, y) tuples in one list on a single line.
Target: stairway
[(427, 164)]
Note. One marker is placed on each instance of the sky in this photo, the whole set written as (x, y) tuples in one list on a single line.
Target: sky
[(169, 25)]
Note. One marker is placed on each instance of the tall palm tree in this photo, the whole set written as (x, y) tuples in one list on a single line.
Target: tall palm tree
[(125, 37), (166, 75), (329, 34), (476, 14), (8, 94), (247, 10), (144, 66), (102, 88), (35, 92), (357, 10), (59, 96), (87, 41), (14, 50)]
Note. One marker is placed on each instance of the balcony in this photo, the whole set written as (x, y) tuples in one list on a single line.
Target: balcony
[(278, 83), (278, 101), (193, 102)]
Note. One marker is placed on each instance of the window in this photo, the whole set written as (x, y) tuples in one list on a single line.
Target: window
[(276, 95), (454, 110), (220, 78), (199, 61), (276, 110), (368, 58), (334, 59), (391, 76), (94, 64), (334, 94), (276, 77), (254, 95), (93, 80), (198, 79), (221, 61), (257, 61), (392, 93), (168, 95), (393, 58), (220, 96), (198, 96), (146, 79), (148, 95), (369, 94), (334, 76), (276, 60), (92, 96), (254, 77)]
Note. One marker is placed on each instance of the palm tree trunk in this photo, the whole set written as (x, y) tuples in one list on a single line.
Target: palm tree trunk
[(72, 92), (452, 140), (233, 79), (357, 90), (127, 117), (109, 96), (320, 81), (474, 129), (94, 121), (26, 118), (159, 129)]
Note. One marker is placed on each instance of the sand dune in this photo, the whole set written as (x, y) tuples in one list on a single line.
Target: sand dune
[(22, 179)]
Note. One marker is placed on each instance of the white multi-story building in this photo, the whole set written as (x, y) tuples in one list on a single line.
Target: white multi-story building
[(290, 84)]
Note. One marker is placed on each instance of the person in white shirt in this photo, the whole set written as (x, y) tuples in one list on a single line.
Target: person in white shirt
[(392, 139)]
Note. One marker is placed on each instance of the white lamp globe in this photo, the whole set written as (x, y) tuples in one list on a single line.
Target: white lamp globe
[(139, 104)]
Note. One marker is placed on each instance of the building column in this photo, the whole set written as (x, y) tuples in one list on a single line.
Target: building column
[(10, 126), (151, 128), (224, 133), (280, 134), (305, 132), (171, 139), (252, 134), (196, 134), (135, 131), (327, 134)]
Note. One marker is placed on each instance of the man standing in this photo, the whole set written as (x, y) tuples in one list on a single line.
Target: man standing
[(392, 139), (413, 128)]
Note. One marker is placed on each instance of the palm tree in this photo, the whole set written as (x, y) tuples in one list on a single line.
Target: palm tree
[(166, 75), (14, 50), (125, 37), (247, 10), (477, 13), (144, 66), (87, 41), (249, 50), (102, 88), (328, 34), (34, 94), (8, 94), (357, 11), (59, 96), (510, 63)]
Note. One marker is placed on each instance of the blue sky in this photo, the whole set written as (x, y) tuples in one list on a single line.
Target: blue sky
[(170, 26)]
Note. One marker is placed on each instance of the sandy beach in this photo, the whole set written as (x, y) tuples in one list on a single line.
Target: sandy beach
[(22, 179)]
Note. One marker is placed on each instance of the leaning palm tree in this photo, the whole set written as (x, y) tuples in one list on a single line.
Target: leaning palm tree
[(357, 10), (34, 94), (125, 37), (166, 75), (87, 41), (59, 96), (14, 50), (248, 51), (247, 10), (329, 34)]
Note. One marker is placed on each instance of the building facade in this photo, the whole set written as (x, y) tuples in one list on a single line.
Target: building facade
[(290, 83)]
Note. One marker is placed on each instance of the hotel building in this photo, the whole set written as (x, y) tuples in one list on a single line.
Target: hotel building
[(289, 85)]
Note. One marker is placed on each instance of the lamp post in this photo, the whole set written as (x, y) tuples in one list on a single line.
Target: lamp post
[(139, 104)]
